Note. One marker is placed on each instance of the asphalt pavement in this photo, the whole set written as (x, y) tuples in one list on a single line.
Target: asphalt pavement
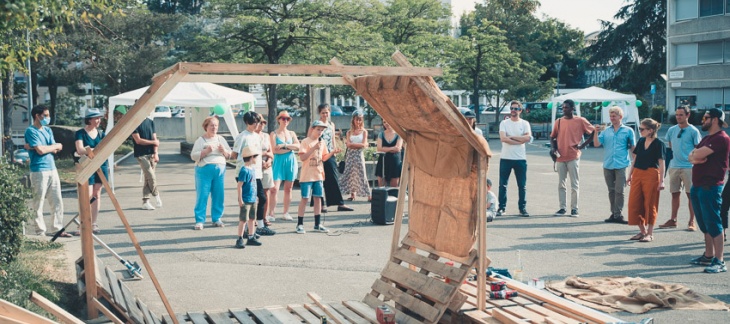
[(201, 270)]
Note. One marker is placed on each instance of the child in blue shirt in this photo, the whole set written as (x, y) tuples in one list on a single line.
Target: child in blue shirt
[(247, 198)]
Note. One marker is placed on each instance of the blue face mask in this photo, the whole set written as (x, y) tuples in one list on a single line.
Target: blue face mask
[(45, 121)]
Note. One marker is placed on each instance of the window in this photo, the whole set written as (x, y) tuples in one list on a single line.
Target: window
[(711, 7), (691, 101), (686, 55), (709, 98), (727, 49), (709, 53), (686, 9), (726, 101), (727, 7)]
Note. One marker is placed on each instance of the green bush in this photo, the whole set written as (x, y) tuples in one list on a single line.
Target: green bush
[(658, 112), (14, 210), (538, 116)]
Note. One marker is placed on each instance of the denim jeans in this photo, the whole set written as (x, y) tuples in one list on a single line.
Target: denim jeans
[(505, 168), (209, 182), (706, 203)]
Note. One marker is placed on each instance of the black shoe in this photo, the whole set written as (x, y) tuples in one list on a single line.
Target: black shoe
[(611, 219), (245, 231), (344, 208), (239, 243), (500, 212), (266, 231), (574, 212), (253, 241), (490, 218), (560, 212), (621, 220), (524, 213)]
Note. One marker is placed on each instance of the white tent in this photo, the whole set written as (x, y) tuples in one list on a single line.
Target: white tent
[(627, 102), (187, 94)]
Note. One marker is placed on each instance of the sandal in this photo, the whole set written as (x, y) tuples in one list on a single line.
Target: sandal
[(267, 223), (351, 199), (65, 234), (637, 237), (647, 238)]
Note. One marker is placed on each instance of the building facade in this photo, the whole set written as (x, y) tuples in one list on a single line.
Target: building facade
[(698, 54)]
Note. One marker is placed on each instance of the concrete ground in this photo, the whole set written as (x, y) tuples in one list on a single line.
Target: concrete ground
[(200, 270)]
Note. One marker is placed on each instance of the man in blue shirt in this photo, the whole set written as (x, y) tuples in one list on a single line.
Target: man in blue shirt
[(618, 140), (43, 174), (682, 139)]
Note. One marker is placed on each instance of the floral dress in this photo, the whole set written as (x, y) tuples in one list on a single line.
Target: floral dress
[(354, 179)]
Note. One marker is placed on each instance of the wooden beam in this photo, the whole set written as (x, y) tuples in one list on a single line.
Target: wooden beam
[(141, 109), (234, 68), (442, 104), (400, 205), (16, 314), (332, 314), (263, 79), (49, 306), (87, 246), (481, 210), (137, 247), (106, 312)]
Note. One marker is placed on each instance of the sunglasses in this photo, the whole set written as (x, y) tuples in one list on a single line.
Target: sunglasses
[(681, 130), (285, 118), (515, 108), (641, 129)]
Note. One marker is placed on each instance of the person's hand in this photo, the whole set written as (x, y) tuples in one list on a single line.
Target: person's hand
[(576, 146), (240, 203), (155, 157), (661, 186), (157, 142), (628, 181), (221, 148)]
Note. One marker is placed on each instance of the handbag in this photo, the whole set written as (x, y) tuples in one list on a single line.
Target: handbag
[(554, 154), (341, 164)]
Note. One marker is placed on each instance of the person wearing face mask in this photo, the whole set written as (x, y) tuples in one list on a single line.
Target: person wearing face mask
[(44, 178)]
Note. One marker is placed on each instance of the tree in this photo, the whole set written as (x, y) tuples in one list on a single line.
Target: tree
[(175, 6), (635, 48)]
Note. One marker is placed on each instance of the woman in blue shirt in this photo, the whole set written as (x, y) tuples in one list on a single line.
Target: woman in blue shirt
[(90, 136)]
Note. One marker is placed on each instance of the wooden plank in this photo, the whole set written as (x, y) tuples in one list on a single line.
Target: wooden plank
[(99, 306), (87, 245), (116, 291), (242, 316), (336, 317), (134, 312), (283, 314), (457, 301), (429, 287), (567, 313), (361, 309), (522, 301), (482, 167), (197, 318), (317, 311), (149, 316), (17, 313), (411, 242), (481, 317), (179, 317), (219, 317), (263, 79), (102, 279), (414, 304), (308, 317), (236, 68), (8, 320), (263, 315), (501, 302), (52, 308), (400, 317), (348, 314), (548, 313), (524, 313), (549, 320), (507, 318), (453, 273)]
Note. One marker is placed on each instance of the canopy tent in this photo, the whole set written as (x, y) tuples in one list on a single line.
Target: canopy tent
[(186, 94), (627, 102)]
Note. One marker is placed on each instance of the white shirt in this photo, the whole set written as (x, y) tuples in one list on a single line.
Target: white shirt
[(514, 128), (253, 140)]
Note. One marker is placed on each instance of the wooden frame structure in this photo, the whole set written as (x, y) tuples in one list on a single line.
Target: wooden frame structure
[(404, 77)]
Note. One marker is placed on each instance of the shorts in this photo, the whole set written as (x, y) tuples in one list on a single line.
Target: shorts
[(679, 178), (96, 179), (248, 211), (313, 189), (268, 180)]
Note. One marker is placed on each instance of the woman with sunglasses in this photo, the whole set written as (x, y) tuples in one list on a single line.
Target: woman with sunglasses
[(283, 143), (646, 178)]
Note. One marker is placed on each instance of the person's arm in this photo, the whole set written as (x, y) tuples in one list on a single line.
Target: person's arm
[(631, 169), (506, 139), (597, 137), (398, 145), (661, 174), (33, 139), (239, 189), (327, 154), (294, 146), (199, 150), (525, 137), (348, 144), (141, 141), (379, 145), (699, 155), (224, 148), (304, 154)]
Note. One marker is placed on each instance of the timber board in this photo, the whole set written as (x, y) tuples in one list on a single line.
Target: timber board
[(283, 314), (400, 317), (263, 315), (197, 318), (134, 312), (242, 316), (219, 317), (308, 317), (429, 287), (362, 309), (412, 303), (433, 266), (116, 291), (347, 313)]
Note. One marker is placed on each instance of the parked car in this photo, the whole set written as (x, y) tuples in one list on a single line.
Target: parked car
[(348, 109), (178, 113), (336, 110), (529, 106), (162, 111), (493, 110), (21, 156)]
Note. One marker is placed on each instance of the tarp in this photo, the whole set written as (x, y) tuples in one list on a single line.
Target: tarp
[(627, 102)]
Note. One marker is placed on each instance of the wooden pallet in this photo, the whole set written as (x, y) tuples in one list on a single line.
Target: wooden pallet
[(416, 283)]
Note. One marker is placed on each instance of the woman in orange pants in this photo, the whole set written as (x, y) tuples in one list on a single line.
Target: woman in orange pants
[(646, 179)]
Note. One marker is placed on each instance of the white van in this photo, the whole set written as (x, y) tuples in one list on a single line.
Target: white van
[(162, 111)]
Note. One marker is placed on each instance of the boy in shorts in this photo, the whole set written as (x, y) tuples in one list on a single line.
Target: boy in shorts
[(312, 153), (247, 198)]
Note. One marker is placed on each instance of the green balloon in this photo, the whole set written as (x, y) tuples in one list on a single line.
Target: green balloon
[(606, 103), (596, 107), (550, 105), (639, 103), (219, 109)]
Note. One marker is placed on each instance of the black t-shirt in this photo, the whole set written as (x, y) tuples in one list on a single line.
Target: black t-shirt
[(648, 158), (145, 130)]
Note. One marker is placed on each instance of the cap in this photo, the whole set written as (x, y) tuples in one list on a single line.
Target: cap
[(714, 112), (247, 151), (92, 113), (467, 113), (121, 109), (319, 123), (283, 114)]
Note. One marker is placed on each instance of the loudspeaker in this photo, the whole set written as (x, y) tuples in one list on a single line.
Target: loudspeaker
[(382, 205)]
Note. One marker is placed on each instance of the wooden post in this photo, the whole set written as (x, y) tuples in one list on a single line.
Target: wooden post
[(482, 167), (137, 247), (54, 309), (403, 186), (87, 247)]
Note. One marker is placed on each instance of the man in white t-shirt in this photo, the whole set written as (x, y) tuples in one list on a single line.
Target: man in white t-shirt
[(513, 133)]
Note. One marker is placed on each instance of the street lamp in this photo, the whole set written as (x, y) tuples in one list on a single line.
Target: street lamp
[(558, 66)]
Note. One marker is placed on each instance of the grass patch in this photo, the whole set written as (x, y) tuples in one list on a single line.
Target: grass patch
[(40, 267)]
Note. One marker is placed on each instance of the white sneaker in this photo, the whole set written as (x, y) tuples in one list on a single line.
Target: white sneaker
[(271, 218), (159, 201), (147, 206), (288, 217), (321, 229), (300, 229)]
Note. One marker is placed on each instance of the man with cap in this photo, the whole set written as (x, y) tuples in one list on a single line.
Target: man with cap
[(471, 118), (44, 178), (146, 145), (710, 163), (514, 132)]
